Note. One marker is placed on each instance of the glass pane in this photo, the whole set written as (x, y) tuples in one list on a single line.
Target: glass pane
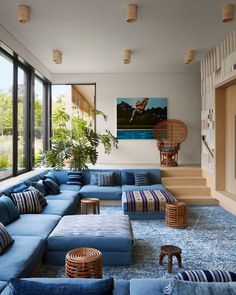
[(22, 119), (38, 121), (6, 118)]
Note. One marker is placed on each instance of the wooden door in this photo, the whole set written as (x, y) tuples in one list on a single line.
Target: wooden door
[(230, 139)]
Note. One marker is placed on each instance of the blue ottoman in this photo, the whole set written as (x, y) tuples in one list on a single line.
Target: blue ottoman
[(112, 235)]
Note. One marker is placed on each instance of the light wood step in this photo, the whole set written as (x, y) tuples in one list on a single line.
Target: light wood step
[(181, 172), (200, 190), (184, 181), (197, 200)]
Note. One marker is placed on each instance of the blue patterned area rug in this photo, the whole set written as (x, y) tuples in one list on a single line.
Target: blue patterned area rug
[(209, 242)]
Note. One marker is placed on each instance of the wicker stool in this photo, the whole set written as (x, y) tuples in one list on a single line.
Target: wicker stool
[(176, 214), (90, 205), (170, 251), (83, 263)]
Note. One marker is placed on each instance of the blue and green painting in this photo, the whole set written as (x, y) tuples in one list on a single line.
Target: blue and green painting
[(136, 117)]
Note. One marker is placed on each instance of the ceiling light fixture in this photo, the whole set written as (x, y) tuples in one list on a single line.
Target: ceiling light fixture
[(131, 13), (57, 56), (23, 13), (127, 56), (227, 13), (189, 56)]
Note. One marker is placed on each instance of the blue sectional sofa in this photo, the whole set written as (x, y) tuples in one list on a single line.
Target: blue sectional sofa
[(140, 286)]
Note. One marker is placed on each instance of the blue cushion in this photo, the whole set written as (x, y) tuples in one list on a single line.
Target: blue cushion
[(154, 174), (195, 288), (83, 287), (8, 211), (148, 286), (100, 192), (74, 177), (94, 178), (20, 188), (21, 257), (64, 195), (105, 179), (5, 238), (86, 175), (61, 175), (51, 175), (59, 207), (40, 187), (38, 225), (129, 178), (71, 187), (141, 178), (51, 187)]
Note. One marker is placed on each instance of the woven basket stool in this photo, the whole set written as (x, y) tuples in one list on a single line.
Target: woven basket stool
[(90, 205), (83, 263), (176, 214)]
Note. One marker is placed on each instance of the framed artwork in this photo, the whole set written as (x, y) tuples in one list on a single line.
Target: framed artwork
[(136, 117)]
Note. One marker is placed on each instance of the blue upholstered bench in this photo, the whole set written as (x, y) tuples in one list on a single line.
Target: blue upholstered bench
[(111, 234)]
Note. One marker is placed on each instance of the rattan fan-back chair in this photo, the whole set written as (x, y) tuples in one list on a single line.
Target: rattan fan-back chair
[(169, 135)]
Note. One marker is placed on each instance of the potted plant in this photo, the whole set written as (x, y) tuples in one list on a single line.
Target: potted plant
[(74, 142)]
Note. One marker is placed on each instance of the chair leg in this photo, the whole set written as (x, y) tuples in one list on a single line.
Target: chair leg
[(170, 263), (161, 256), (179, 258)]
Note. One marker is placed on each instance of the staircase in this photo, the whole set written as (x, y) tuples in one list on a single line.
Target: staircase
[(188, 185)]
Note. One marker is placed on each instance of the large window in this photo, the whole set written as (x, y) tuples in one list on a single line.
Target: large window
[(24, 114), (6, 116)]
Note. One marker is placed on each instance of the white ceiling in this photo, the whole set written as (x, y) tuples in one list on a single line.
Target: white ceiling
[(92, 34)]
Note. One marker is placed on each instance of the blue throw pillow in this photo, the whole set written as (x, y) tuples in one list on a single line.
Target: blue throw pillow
[(27, 201), (195, 288), (74, 177), (94, 178), (51, 176), (84, 287), (142, 178), (51, 187), (129, 178), (8, 211), (105, 179), (5, 238), (20, 188)]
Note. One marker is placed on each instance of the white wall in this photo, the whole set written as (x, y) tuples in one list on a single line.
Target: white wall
[(23, 52), (182, 91)]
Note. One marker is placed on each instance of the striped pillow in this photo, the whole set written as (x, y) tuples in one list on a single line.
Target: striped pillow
[(201, 276), (27, 202), (141, 178), (105, 179), (5, 238), (74, 177), (51, 187), (41, 197)]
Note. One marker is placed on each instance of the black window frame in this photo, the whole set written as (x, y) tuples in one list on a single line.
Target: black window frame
[(31, 73)]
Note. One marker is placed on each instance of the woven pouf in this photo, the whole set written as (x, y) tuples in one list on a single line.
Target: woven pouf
[(176, 214), (90, 205), (83, 263)]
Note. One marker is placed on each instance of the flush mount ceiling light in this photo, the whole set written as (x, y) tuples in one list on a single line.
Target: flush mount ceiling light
[(57, 56), (131, 13), (127, 56), (23, 13), (227, 13), (189, 56)]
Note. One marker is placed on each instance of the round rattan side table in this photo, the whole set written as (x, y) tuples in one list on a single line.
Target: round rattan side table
[(176, 214), (90, 205), (83, 263)]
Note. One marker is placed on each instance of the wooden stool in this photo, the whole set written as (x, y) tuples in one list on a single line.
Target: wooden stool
[(170, 251), (90, 205), (176, 214), (83, 263)]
